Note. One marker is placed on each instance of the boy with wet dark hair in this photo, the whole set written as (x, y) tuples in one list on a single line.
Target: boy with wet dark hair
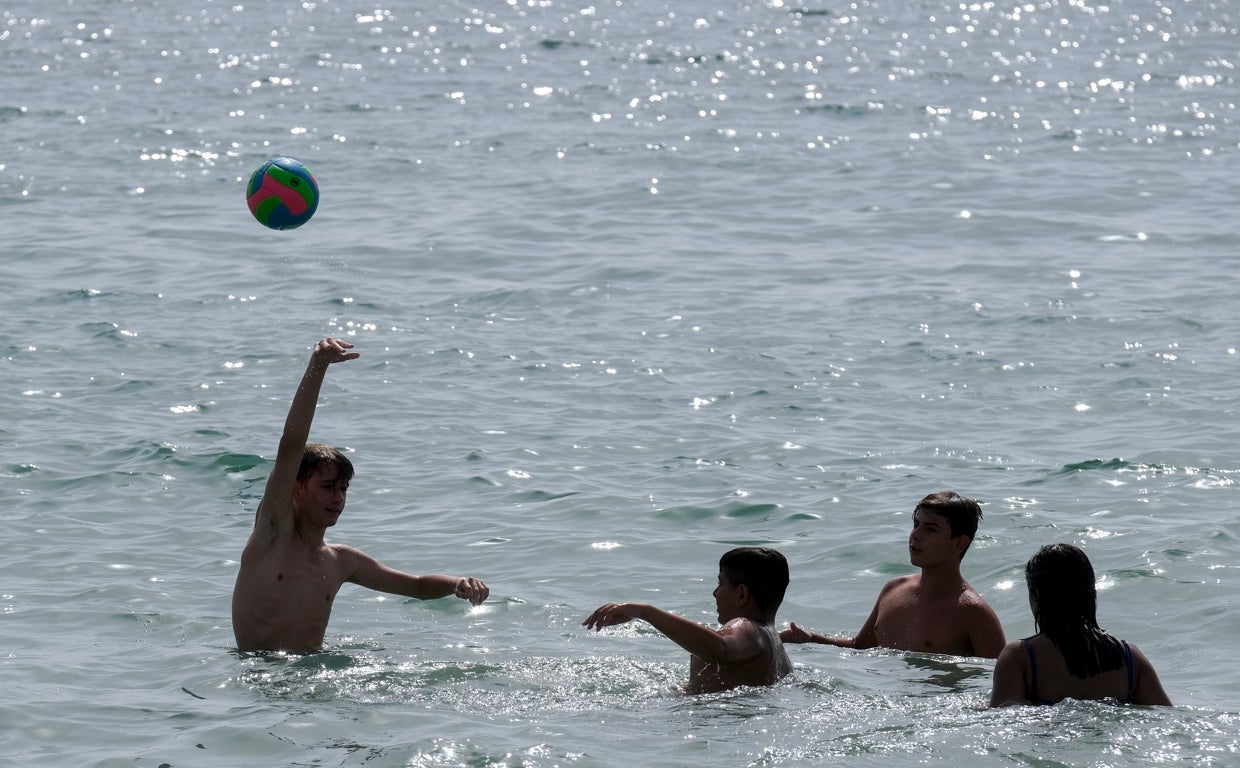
[(289, 575), (762, 570), (936, 610), (746, 650), (962, 513)]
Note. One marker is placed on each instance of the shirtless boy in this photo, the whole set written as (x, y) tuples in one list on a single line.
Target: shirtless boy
[(934, 611), (289, 575), (746, 649)]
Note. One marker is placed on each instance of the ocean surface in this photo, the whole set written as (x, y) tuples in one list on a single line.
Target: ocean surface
[(633, 283)]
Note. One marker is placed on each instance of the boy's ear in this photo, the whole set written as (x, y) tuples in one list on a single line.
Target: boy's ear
[(743, 594)]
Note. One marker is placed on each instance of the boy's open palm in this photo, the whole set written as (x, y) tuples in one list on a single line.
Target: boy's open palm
[(608, 615), (334, 351)]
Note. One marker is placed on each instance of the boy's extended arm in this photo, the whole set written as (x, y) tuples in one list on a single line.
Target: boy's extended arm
[(865, 638), (276, 506), (372, 574), (727, 645), (795, 634)]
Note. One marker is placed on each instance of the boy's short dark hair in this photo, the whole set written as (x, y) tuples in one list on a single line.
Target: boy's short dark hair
[(962, 513), (763, 570), (317, 455)]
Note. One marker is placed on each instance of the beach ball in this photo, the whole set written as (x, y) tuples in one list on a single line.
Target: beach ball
[(282, 194)]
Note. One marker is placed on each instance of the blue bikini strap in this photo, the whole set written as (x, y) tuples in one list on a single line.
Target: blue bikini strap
[(1132, 673), (1033, 669)]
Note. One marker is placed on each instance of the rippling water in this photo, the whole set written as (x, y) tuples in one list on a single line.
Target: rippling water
[(632, 283)]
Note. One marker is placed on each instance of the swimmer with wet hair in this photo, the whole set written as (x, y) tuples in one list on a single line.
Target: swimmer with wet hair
[(936, 610), (289, 575), (746, 649), (1070, 657)]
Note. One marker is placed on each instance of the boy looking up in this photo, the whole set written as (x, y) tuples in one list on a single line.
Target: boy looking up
[(934, 611), (746, 650), (289, 575)]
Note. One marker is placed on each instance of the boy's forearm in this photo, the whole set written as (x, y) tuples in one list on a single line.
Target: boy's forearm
[(838, 642), (301, 412), (305, 400), (796, 634), (429, 587), (436, 585)]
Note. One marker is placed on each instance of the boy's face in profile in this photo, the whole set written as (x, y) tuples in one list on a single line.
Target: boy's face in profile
[(320, 498), (727, 599), (931, 541)]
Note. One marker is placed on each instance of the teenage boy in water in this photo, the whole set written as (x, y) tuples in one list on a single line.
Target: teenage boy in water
[(746, 650), (934, 611), (289, 575)]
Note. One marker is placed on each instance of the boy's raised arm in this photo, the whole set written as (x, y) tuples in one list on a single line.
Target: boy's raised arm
[(276, 506)]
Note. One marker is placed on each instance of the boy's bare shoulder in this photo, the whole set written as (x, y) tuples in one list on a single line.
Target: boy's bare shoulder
[(971, 598), (907, 581), (345, 554), (743, 625)]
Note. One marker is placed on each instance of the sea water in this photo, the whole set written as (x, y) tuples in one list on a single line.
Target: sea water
[(633, 283)]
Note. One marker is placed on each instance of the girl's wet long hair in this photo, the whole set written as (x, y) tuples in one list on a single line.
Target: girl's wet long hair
[(1061, 581)]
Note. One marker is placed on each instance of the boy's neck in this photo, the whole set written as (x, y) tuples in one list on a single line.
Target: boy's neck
[(755, 616), (944, 576), (310, 536)]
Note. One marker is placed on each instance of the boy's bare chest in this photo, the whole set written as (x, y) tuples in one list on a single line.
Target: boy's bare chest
[(300, 577), (930, 624)]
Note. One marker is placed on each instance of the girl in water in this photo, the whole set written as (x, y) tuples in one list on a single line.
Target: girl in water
[(1070, 656)]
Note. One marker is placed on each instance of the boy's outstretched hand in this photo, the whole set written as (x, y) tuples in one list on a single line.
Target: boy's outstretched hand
[(331, 351), (794, 634), (610, 615), (473, 590)]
